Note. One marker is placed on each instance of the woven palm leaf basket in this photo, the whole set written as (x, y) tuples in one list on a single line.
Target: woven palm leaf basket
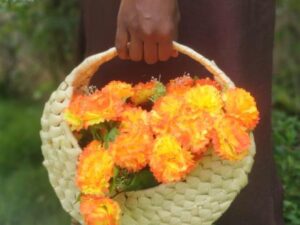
[(201, 199)]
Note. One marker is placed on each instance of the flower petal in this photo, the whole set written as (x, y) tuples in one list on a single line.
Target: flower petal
[(239, 104), (230, 139), (95, 169), (169, 162), (99, 211)]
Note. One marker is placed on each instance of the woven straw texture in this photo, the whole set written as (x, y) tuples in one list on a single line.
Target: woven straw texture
[(200, 200)]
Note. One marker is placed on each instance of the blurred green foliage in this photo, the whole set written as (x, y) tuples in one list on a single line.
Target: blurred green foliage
[(286, 105), (286, 137), (286, 91), (26, 196), (38, 47), (37, 41)]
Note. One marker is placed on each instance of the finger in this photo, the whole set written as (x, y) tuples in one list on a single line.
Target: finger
[(174, 53), (121, 42), (150, 52), (165, 51), (136, 48)]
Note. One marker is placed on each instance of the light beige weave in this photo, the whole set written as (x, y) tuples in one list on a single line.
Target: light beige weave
[(205, 195)]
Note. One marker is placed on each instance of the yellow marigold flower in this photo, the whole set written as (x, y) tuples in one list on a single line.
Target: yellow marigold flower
[(143, 92), (95, 169), (230, 139), (180, 85), (169, 162), (99, 211), (205, 98), (193, 130), (208, 81), (164, 113), (118, 89), (131, 150), (242, 106)]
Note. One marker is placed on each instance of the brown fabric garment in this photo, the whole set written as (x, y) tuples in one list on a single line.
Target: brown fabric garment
[(238, 36)]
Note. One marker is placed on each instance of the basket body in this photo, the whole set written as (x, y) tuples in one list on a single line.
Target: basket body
[(200, 200)]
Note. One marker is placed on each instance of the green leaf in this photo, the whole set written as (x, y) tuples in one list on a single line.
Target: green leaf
[(142, 180), (124, 181), (160, 90), (95, 133), (110, 136)]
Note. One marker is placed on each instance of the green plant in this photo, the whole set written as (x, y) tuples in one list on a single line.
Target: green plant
[(38, 42), (26, 196), (286, 137)]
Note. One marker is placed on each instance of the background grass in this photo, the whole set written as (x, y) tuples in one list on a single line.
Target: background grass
[(38, 44)]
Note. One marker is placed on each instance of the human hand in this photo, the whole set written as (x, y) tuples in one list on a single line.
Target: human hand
[(149, 26)]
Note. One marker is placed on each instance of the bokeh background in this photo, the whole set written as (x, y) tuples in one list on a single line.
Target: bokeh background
[(38, 45)]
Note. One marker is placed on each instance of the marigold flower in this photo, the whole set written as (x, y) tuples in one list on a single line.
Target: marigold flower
[(131, 150), (134, 119), (242, 106), (230, 139), (118, 89), (95, 169), (205, 98), (143, 92), (73, 114), (131, 147), (101, 106), (193, 130), (99, 211), (208, 81), (169, 162), (180, 85), (164, 112)]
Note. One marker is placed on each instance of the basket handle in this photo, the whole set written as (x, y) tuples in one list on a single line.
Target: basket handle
[(81, 75)]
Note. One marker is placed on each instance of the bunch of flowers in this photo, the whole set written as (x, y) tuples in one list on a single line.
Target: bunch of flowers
[(136, 137)]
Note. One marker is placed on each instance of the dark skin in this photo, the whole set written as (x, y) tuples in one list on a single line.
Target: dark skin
[(146, 29)]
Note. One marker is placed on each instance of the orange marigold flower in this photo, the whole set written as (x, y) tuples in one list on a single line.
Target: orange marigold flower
[(95, 169), (131, 147), (131, 150), (118, 89), (73, 114), (143, 92), (242, 106), (169, 162), (231, 141), (205, 98), (134, 119), (164, 112), (208, 81), (193, 130), (99, 211), (101, 106), (180, 85)]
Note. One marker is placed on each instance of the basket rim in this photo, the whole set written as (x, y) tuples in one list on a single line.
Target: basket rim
[(82, 74)]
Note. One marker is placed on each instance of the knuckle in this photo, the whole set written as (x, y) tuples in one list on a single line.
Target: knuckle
[(134, 26), (148, 32), (165, 32)]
